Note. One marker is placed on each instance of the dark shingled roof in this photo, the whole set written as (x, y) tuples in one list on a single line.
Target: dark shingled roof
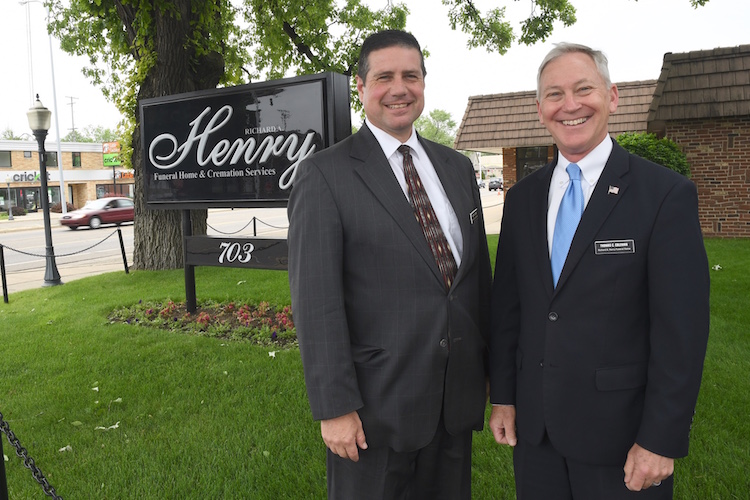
[(703, 84), (496, 121)]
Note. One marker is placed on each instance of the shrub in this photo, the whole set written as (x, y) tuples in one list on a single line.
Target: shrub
[(663, 151), (57, 207), (18, 211)]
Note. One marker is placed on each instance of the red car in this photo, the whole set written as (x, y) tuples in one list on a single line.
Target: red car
[(113, 210)]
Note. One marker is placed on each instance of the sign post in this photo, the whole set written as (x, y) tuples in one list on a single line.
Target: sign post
[(111, 156)]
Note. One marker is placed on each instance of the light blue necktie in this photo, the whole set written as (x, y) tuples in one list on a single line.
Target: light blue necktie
[(568, 217)]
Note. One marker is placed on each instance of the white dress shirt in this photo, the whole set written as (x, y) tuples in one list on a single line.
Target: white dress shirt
[(592, 166), (430, 180)]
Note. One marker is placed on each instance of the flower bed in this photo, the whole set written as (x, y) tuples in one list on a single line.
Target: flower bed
[(262, 323)]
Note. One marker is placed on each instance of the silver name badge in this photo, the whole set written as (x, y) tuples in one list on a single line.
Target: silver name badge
[(615, 247)]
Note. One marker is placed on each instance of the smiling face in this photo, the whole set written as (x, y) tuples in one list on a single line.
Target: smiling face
[(575, 103), (393, 92)]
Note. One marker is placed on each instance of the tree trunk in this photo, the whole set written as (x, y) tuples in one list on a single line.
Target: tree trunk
[(158, 233)]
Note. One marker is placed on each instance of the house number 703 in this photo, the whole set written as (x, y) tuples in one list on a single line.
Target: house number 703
[(234, 252)]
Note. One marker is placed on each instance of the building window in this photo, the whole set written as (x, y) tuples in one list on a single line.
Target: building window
[(76, 159), (5, 159), (105, 190), (529, 160), (51, 159), (27, 154)]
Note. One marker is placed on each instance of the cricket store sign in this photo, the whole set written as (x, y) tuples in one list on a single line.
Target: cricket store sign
[(27, 176), (239, 146)]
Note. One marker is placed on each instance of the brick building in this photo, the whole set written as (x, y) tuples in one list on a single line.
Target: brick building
[(84, 174), (701, 101)]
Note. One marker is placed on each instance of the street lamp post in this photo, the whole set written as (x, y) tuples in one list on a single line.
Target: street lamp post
[(39, 122), (10, 202)]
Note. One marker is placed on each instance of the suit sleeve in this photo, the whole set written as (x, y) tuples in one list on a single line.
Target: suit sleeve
[(678, 285), (316, 282), (505, 324)]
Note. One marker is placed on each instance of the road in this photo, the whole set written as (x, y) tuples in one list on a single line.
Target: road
[(87, 252)]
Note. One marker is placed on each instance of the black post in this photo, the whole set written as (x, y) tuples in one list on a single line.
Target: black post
[(3, 480), (191, 302), (51, 276), (2, 272), (255, 227), (122, 249)]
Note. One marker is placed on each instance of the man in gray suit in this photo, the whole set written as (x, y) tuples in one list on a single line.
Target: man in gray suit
[(391, 307)]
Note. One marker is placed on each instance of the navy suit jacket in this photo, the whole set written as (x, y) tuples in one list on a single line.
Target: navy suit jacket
[(614, 354), (378, 332)]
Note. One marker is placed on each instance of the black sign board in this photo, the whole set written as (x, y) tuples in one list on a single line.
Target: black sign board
[(238, 146), (255, 253)]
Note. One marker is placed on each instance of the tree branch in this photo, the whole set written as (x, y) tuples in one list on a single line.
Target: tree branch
[(302, 47)]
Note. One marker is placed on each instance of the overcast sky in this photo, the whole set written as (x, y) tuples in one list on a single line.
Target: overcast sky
[(634, 35)]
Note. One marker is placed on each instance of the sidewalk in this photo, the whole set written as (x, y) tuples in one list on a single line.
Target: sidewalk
[(32, 220), (492, 207), (34, 278)]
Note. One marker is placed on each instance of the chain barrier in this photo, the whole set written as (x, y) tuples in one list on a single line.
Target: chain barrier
[(272, 226), (231, 232), (492, 206), (28, 462), (254, 219), (57, 256)]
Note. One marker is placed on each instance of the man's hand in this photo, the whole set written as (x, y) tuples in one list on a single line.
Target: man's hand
[(342, 435), (503, 424), (644, 469)]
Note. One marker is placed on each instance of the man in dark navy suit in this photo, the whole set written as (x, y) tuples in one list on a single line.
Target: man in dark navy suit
[(596, 361)]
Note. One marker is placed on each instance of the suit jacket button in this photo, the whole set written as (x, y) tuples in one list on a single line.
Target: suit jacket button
[(552, 316), (443, 343)]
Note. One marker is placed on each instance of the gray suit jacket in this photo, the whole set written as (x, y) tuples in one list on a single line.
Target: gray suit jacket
[(614, 354), (378, 332)]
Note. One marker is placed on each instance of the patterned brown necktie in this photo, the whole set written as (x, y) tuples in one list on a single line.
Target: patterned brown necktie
[(425, 215)]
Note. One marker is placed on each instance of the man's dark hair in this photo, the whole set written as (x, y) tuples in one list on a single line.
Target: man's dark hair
[(383, 40)]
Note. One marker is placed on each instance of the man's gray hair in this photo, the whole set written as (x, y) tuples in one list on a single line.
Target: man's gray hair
[(567, 48)]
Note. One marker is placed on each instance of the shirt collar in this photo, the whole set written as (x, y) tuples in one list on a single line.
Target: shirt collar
[(592, 165), (390, 144)]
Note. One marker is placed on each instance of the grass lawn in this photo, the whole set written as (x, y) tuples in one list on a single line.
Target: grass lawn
[(110, 410)]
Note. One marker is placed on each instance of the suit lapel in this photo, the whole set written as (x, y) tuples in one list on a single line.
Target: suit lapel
[(373, 168), (602, 201), (538, 246)]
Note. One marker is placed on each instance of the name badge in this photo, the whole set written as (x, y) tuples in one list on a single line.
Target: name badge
[(615, 247)]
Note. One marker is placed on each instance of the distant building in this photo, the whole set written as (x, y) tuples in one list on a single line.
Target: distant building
[(701, 101), (84, 174)]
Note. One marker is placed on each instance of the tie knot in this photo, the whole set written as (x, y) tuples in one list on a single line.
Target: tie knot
[(574, 172), (404, 150)]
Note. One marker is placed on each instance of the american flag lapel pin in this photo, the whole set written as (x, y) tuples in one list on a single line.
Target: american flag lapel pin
[(613, 190)]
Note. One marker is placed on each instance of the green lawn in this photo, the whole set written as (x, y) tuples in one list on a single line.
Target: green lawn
[(152, 414)]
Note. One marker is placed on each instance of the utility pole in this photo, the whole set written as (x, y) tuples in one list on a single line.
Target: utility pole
[(54, 95), (72, 117)]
